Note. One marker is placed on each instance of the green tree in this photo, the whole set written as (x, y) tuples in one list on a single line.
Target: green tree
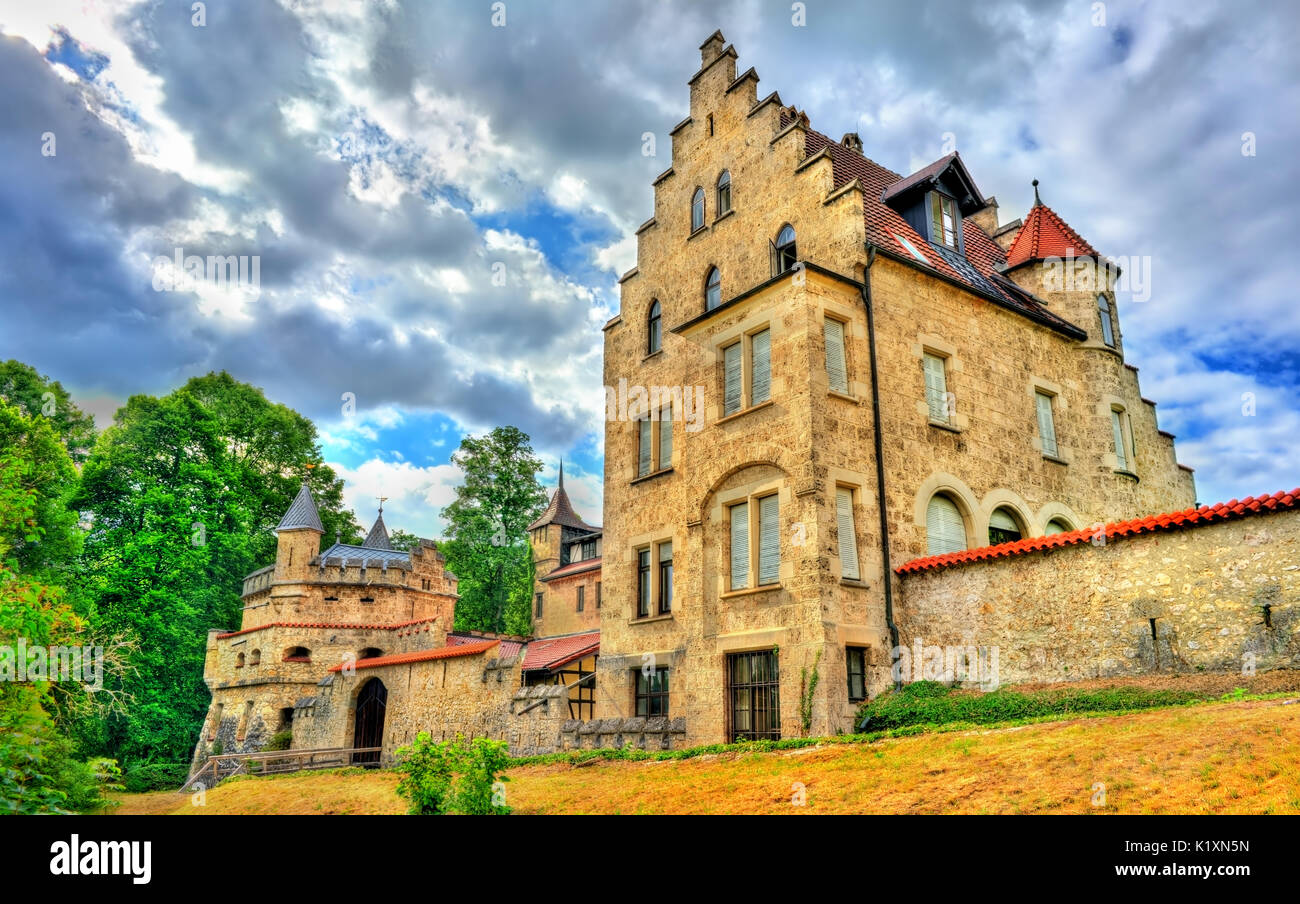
[(38, 396), (400, 539), (487, 530)]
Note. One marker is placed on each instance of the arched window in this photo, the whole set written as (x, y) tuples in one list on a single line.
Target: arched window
[(713, 289), (370, 653), (697, 210), (724, 194), (654, 329), (945, 531), (255, 657), (297, 654), (1057, 526), (1003, 527), (239, 660), (1107, 328), (786, 254)]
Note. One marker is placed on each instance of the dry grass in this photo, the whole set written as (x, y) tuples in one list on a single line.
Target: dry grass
[(1216, 758)]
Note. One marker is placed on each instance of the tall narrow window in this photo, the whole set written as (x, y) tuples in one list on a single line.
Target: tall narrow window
[(582, 597), (538, 611), (1103, 314), (760, 384), (945, 531), (1122, 461), (665, 438), (642, 583), (786, 251), (724, 193), (837, 371), (847, 533), (654, 329), (769, 540), (665, 578), (643, 457), (713, 289), (740, 546), (731, 378), (697, 210), (943, 219), (857, 658), (936, 387), (598, 594), (1046, 423)]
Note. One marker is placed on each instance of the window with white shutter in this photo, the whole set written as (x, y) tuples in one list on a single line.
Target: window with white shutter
[(731, 370), (740, 546), (1046, 423), (837, 372), (944, 529), (760, 345), (643, 446), (665, 438), (1121, 449), (769, 540), (848, 535), (936, 387)]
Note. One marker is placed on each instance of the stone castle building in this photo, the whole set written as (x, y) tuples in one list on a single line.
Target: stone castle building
[(852, 415)]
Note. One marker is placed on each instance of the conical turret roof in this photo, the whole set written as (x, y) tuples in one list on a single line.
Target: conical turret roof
[(302, 513)]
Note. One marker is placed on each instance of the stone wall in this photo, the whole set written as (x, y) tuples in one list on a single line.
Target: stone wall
[(1174, 601)]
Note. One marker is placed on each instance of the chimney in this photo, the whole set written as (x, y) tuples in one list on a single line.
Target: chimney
[(712, 47), (852, 141)]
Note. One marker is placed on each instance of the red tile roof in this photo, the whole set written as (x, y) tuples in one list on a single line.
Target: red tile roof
[(338, 626), (1045, 235), (1193, 517), (511, 644), (572, 568), (884, 225), (469, 649), (553, 652)]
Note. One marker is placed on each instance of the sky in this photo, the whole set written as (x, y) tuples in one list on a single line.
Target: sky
[(440, 198)]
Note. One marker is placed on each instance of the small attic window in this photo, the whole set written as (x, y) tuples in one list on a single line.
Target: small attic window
[(943, 220), (912, 250)]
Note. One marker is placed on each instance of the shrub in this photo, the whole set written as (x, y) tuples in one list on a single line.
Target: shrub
[(931, 703), (281, 740), (453, 777), (156, 777)]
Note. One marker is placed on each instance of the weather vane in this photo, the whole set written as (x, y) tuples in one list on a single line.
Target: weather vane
[(382, 500)]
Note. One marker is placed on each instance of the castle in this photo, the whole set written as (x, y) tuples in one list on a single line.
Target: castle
[(857, 424)]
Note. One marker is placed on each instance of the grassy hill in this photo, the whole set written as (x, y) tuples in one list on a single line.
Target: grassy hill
[(1227, 757)]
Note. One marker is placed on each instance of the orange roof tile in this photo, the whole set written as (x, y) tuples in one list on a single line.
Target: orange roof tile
[(468, 649), (552, 652), (1045, 235), (341, 627), (1192, 517)]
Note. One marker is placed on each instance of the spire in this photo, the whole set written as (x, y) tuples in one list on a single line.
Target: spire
[(378, 536), (302, 513), (561, 473), (1037, 200)]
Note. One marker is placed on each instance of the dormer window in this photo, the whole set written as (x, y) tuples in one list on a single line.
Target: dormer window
[(943, 220), (697, 210)]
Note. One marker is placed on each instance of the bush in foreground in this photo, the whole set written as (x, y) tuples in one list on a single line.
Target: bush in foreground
[(454, 777)]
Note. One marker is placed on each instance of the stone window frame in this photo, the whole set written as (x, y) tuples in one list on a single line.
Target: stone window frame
[(928, 343), (849, 651), (744, 335), (719, 210), (1107, 407), (955, 489), (1005, 498), (637, 695), (855, 495), (753, 494), (1060, 406), (651, 542)]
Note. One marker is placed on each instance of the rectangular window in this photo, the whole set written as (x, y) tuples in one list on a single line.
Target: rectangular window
[(943, 217), (1046, 423), (1122, 460), (857, 657), (665, 578), (731, 375), (936, 387), (753, 696), (1103, 314), (740, 546), (598, 594), (643, 427), (769, 540), (538, 613), (652, 694), (837, 372), (665, 438), (760, 383), (588, 549), (643, 583), (847, 534), (582, 594)]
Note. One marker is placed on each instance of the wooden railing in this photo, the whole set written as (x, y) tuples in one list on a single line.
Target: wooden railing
[(222, 766)]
